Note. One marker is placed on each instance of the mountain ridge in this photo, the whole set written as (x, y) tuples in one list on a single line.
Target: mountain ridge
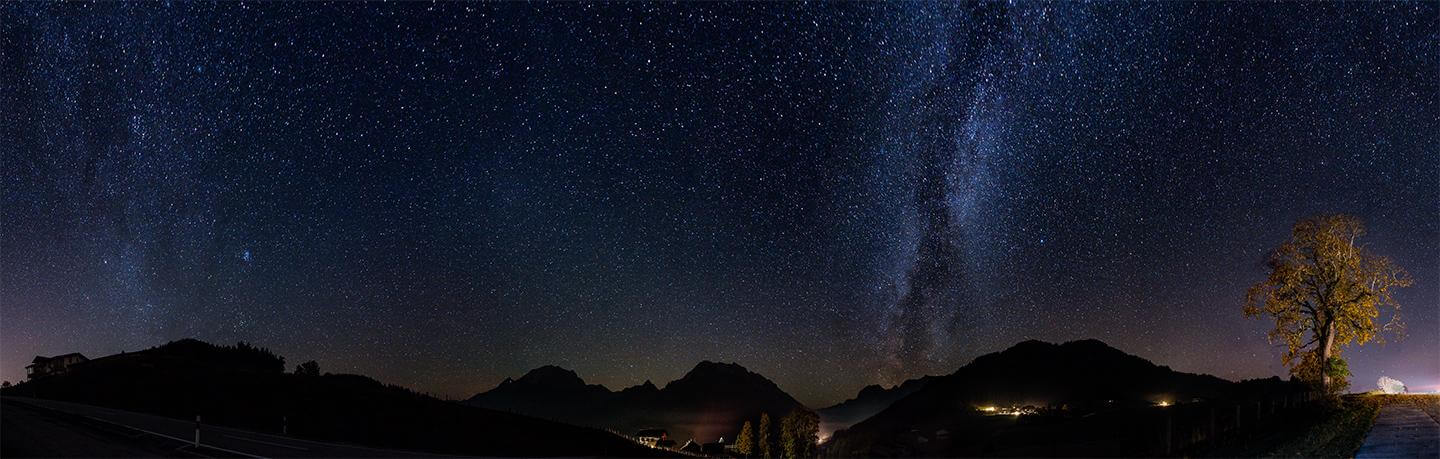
[(708, 402)]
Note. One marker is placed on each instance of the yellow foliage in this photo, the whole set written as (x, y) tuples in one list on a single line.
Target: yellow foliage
[(1325, 292)]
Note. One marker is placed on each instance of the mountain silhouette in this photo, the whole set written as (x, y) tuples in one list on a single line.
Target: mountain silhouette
[(870, 400), (548, 392), (553, 376), (1089, 398), (711, 401), (246, 387)]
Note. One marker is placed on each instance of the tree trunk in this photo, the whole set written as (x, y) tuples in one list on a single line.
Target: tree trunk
[(1326, 343)]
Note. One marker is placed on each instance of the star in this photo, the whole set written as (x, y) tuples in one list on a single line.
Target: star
[(832, 195)]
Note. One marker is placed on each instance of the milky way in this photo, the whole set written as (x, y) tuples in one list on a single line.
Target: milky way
[(834, 195), (939, 127)]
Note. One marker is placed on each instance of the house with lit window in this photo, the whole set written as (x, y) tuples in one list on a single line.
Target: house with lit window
[(46, 366), (652, 437)]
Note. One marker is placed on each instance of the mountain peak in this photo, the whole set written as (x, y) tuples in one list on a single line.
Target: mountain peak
[(552, 376), (1032, 344), (1088, 343), (645, 387), (872, 390), (707, 368)]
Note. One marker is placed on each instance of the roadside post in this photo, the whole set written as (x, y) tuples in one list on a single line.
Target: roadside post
[(1169, 428), (197, 431)]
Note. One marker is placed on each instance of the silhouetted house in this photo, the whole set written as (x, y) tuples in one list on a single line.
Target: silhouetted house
[(692, 447), (46, 366), (652, 437), (719, 448)]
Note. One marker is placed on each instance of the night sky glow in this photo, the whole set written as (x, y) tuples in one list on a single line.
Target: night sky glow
[(833, 195)]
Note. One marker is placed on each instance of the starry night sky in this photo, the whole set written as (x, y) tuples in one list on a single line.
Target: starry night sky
[(442, 196)]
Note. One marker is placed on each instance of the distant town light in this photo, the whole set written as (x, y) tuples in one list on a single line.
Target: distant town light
[(992, 410), (1163, 403)]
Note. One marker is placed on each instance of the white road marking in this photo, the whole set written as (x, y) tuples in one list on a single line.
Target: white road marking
[(55, 405), (187, 442), (267, 443)]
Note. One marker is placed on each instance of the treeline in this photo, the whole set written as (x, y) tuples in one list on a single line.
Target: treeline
[(242, 356), (796, 436)]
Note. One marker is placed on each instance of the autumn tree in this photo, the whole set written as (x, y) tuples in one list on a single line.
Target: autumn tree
[(745, 442), (766, 441), (799, 433), (1325, 292)]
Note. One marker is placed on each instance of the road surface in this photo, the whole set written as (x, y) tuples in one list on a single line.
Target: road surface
[(27, 431), (1401, 431), (36, 427)]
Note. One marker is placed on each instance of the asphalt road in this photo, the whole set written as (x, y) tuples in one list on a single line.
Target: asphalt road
[(54, 428), (1401, 431), (27, 431)]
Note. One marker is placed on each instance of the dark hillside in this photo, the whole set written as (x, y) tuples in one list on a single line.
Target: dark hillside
[(246, 387), (870, 400), (1081, 398)]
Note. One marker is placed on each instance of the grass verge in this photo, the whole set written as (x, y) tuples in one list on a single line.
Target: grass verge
[(1342, 428)]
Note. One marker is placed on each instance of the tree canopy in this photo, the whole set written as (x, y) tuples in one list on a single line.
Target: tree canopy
[(745, 442), (1325, 292), (799, 434), (767, 442)]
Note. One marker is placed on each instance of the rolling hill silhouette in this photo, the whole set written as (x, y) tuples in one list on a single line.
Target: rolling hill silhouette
[(709, 402), (246, 387), (1085, 397)]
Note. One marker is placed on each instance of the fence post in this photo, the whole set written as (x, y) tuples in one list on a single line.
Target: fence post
[(1169, 428), (1237, 416), (1212, 423)]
